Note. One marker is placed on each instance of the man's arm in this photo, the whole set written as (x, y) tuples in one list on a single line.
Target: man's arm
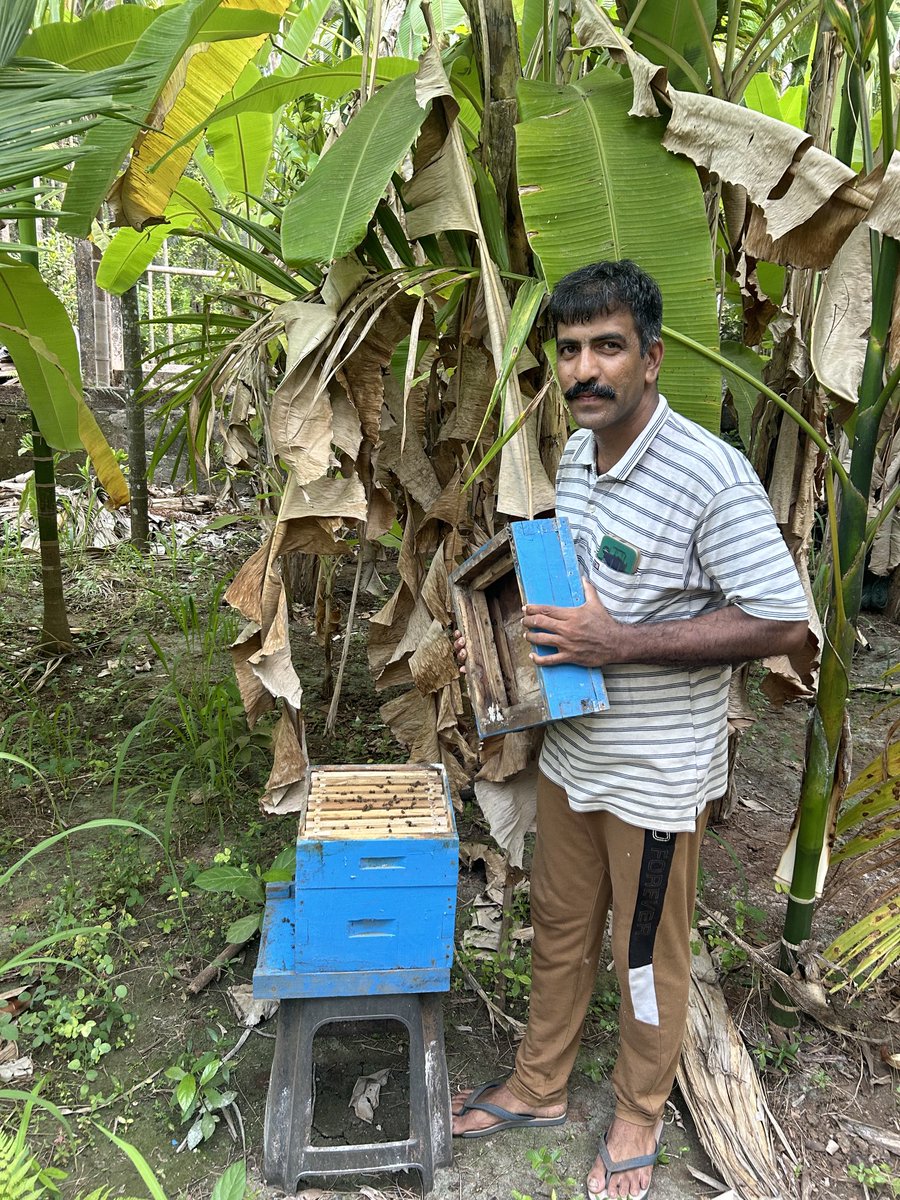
[(589, 636)]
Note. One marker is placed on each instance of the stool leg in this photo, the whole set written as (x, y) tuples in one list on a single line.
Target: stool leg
[(288, 1152), (291, 1099)]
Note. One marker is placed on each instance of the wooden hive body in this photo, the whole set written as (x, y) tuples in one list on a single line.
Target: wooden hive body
[(528, 562), (373, 903)]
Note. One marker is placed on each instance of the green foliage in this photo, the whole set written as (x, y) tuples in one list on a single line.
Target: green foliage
[(781, 1057), (581, 161), (869, 832), (129, 253), (875, 1175), (676, 34), (247, 884), (547, 1166), (328, 215), (203, 711), (242, 145), (201, 1092), (154, 57), (21, 1176), (40, 338)]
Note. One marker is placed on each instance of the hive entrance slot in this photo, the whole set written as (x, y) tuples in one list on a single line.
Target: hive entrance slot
[(345, 1051)]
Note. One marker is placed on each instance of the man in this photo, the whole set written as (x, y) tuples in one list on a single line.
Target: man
[(685, 573)]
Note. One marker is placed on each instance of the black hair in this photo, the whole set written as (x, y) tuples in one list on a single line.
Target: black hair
[(608, 287)]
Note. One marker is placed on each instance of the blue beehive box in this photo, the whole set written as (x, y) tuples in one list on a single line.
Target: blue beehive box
[(373, 904), (528, 562)]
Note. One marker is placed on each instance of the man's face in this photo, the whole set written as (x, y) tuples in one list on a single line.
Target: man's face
[(609, 387)]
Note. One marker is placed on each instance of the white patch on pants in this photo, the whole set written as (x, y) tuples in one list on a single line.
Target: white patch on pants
[(643, 994)]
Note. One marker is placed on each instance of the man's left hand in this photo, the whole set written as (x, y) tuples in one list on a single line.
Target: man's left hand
[(586, 635)]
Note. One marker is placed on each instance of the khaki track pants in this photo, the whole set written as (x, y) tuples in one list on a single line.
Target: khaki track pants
[(583, 864)]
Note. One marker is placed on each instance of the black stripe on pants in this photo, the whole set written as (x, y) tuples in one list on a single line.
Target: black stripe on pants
[(656, 863)]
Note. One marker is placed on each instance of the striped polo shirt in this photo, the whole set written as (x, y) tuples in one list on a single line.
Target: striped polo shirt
[(695, 511)]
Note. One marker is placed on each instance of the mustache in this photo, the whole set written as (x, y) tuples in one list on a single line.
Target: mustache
[(601, 390)]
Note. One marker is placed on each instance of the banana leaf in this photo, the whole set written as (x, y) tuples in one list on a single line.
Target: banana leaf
[(103, 39), (667, 32), (242, 145), (743, 394), (329, 214), (215, 68), (31, 314), (300, 35), (596, 183), (130, 253), (158, 51), (274, 91), (39, 335), (412, 33)]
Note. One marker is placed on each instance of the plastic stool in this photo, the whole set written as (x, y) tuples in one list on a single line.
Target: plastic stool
[(288, 1153)]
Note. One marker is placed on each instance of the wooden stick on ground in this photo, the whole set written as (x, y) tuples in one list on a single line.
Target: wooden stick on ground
[(205, 977)]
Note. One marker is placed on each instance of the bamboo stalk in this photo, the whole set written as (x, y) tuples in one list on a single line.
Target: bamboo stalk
[(818, 798)]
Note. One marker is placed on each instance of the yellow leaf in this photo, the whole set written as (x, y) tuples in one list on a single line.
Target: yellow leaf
[(101, 455), (193, 92)]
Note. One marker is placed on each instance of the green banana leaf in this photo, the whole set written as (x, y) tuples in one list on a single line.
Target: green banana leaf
[(29, 310), (37, 331), (667, 32), (331, 209), (274, 91), (103, 39), (595, 183), (412, 33), (760, 95), (130, 253), (300, 35), (530, 27), (242, 145), (161, 47)]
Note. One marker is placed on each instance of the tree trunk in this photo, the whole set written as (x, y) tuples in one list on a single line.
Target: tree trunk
[(134, 415), (55, 633), (102, 343), (84, 293), (496, 42)]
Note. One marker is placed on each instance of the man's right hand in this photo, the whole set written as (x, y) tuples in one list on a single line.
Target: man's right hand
[(459, 649)]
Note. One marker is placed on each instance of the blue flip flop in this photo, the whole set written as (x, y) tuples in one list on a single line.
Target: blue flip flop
[(505, 1118)]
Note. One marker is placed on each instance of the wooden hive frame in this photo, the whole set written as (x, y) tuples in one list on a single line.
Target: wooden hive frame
[(402, 800), (502, 680), (527, 562)]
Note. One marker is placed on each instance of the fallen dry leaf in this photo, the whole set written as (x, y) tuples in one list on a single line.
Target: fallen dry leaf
[(367, 1094)]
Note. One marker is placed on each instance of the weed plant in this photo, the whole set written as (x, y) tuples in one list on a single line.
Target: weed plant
[(200, 709)]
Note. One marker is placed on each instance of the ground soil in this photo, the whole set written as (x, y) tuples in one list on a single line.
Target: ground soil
[(821, 1087)]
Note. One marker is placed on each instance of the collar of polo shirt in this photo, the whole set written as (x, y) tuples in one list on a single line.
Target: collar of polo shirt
[(586, 454)]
